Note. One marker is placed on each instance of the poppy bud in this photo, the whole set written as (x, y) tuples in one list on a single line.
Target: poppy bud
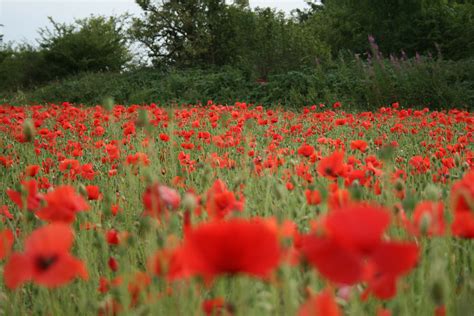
[(107, 204), (425, 223), (112, 237), (437, 292), (356, 190), (399, 185), (279, 191), (457, 159), (82, 190), (149, 179), (189, 202), (108, 103), (144, 225), (113, 264), (386, 153), (432, 192), (409, 202), (28, 130), (142, 119)]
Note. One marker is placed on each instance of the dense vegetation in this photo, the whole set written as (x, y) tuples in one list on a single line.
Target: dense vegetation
[(369, 52)]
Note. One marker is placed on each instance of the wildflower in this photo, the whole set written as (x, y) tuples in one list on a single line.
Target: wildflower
[(231, 247), (46, 259), (62, 204)]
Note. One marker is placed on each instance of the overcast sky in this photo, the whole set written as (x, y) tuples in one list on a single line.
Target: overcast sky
[(22, 18)]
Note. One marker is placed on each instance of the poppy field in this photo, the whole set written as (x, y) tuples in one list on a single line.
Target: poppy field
[(236, 210)]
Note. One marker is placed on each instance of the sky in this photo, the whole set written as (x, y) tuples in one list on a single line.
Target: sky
[(23, 18)]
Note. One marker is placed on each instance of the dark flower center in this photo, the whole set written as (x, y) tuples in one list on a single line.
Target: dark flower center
[(329, 171), (44, 262)]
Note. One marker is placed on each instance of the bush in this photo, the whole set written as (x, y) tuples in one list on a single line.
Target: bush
[(364, 84), (94, 44)]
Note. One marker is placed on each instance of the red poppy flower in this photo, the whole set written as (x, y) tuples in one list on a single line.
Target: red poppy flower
[(353, 251), (5, 213), (360, 145), (389, 261), (62, 204), (462, 200), (164, 137), (306, 150), (46, 259), (230, 247), (33, 198), (358, 226), (112, 237), (313, 197), (138, 158), (420, 164), (220, 201), (332, 166), (32, 170), (93, 192), (332, 260), (113, 264)]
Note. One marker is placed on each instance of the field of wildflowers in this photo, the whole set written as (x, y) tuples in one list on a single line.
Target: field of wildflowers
[(235, 210)]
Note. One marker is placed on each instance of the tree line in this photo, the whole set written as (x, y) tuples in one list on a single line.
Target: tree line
[(174, 35)]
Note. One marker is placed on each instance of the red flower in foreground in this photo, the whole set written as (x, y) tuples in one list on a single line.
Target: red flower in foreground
[(46, 259), (231, 247), (322, 304), (62, 204), (462, 199), (220, 201), (353, 251)]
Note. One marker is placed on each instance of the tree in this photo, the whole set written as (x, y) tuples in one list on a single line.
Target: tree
[(92, 44), (414, 26), (21, 66), (204, 33), (180, 32)]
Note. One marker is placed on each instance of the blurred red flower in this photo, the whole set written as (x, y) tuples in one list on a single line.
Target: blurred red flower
[(231, 247), (62, 204), (46, 259)]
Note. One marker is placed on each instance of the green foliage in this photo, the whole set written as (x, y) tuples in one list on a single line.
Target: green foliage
[(412, 26), (213, 49), (361, 84), (93, 44), (21, 66), (211, 33)]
